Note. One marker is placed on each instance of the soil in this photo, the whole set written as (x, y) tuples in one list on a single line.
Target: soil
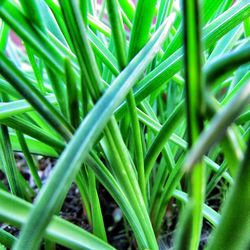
[(118, 231)]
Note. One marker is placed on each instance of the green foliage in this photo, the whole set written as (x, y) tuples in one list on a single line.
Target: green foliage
[(151, 100)]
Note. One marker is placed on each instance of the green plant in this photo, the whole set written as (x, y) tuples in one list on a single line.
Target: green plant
[(105, 90)]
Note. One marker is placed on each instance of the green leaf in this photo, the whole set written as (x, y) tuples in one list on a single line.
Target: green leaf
[(163, 134), (34, 37), (226, 63), (29, 92), (9, 165), (8, 109), (16, 212), (195, 105), (218, 126), (141, 26), (6, 239), (82, 141), (236, 212), (30, 161), (167, 69), (35, 147)]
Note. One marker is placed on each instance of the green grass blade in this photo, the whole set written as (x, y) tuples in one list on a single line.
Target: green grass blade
[(156, 126), (34, 37), (33, 11), (30, 129), (212, 33), (78, 148), (9, 164), (72, 95), (6, 238), (30, 161), (19, 107), (100, 86), (235, 212), (226, 43), (6, 88), (4, 34), (161, 138), (141, 26), (29, 92), (164, 10), (158, 210), (97, 218), (103, 53), (139, 36), (211, 215), (227, 63), (128, 8), (36, 69), (117, 32), (96, 24), (87, 62), (218, 126), (247, 27), (59, 89), (15, 211), (195, 114), (35, 147), (229, 18), (117, 193)]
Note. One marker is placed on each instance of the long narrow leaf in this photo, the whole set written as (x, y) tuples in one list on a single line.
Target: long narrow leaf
[(78, 148)]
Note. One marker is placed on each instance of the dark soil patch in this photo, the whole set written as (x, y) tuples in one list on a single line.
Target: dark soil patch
[(118, 232)]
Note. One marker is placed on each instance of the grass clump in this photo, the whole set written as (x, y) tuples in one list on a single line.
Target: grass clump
[(148, 101)]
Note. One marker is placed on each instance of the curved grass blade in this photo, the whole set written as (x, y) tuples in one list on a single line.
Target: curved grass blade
[(161, 138), (212, 33), (28, 128), (8, 109), (30, 161), (35, 147), (79, 146), (236, 212), (34, 37), (9, 163), (16, 211), (218, 126), (211, 215), (226, 63), (6, 238), (214, 132), (156, 126), (29, 92), (128, 8), (32, 10)]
